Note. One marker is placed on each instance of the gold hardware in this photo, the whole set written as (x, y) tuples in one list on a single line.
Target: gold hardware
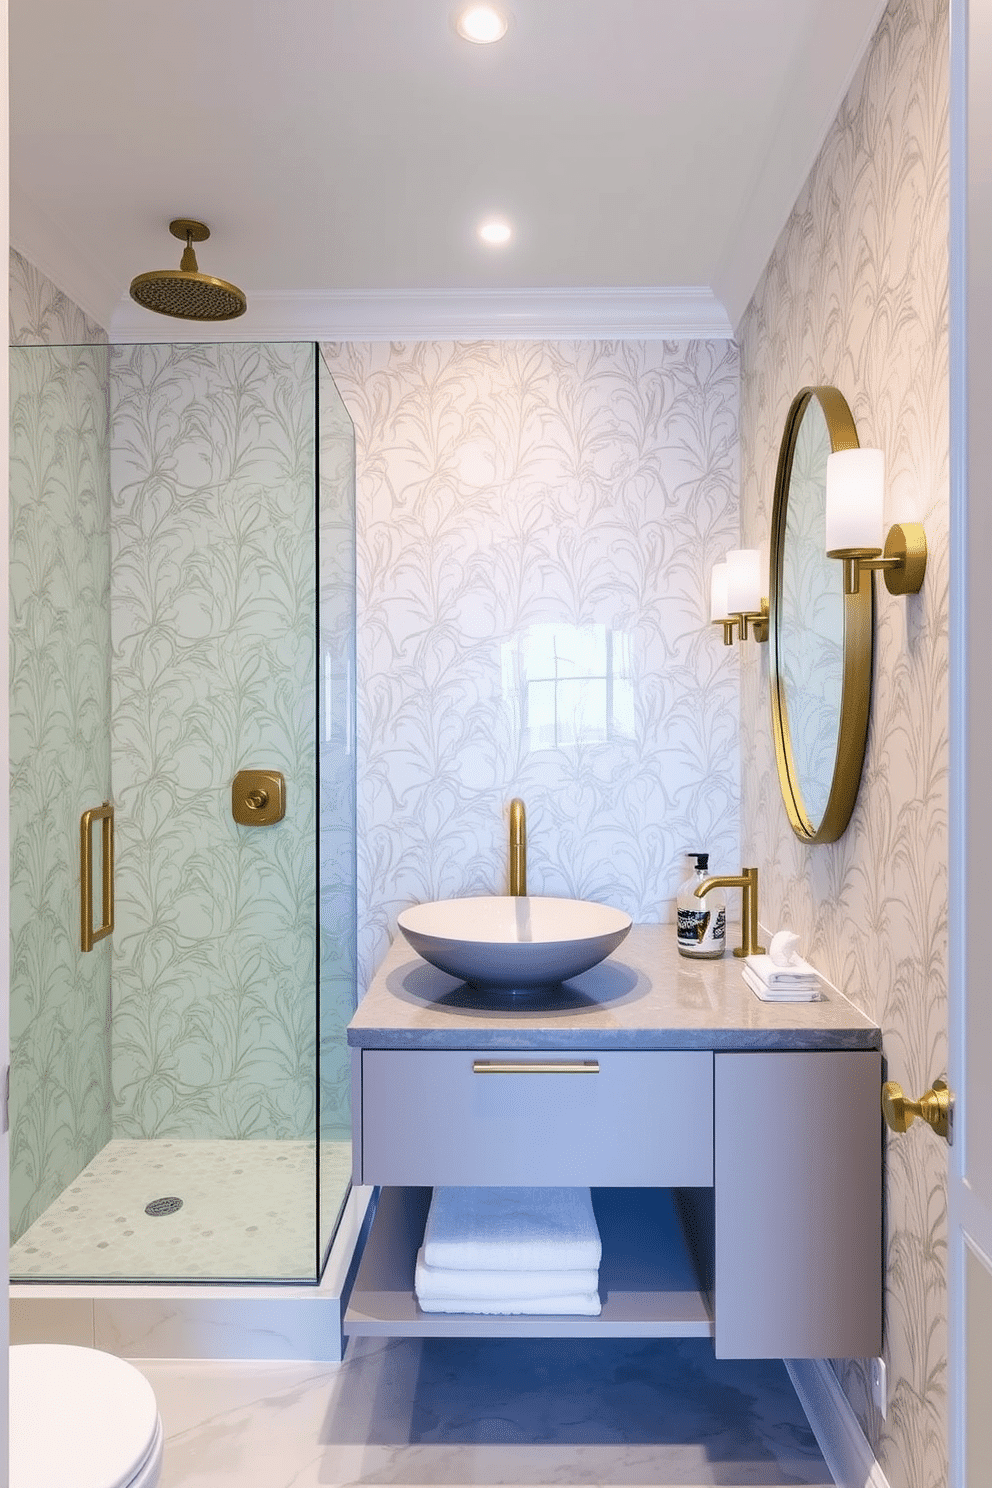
[(747, 882), (518, 847), (903, 561), (258, 798), (747, 623), (88, 934), (185, 292), (935, 1107), (521, 1067), (858, 611), (754, 622)]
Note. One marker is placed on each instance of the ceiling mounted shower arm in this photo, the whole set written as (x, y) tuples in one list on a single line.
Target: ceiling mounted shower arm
[(185, 293)]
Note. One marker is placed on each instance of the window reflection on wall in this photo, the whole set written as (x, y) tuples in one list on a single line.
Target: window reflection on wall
[(572, 684)]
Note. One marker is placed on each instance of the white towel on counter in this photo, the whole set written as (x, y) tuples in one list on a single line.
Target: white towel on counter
[(439, 1282), (584, 1304), (802, 992), (512, 1229), (798, 973)]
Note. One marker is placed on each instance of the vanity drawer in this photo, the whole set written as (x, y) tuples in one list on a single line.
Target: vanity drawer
[(481, 1116)]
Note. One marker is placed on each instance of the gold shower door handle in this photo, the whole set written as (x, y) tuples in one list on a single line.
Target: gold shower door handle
[(90, 934)]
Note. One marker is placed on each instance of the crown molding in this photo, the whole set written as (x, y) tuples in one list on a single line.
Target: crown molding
[(651, 314)]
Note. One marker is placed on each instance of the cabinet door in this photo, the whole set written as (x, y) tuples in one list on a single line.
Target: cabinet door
[(798, 1178), (600, 1119)]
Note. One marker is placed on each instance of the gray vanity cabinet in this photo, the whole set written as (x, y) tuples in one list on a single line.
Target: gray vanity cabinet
[(612, 1118), (734, 1152)]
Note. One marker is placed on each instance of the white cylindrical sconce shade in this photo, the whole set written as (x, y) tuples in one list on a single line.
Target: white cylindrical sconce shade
[(855, 498), (718, 592), (744, 581)]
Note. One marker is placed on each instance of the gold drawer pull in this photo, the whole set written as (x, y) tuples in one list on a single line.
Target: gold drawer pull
[(535, 1067), (90, 934)]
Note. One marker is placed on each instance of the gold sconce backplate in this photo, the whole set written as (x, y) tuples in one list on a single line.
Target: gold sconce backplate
[(258, 798)]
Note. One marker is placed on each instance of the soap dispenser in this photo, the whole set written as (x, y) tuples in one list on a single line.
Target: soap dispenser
[(702, 923)]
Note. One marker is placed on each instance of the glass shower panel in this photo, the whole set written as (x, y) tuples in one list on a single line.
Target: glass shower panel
[(337, 799), (60, 1104), (201, 1160)]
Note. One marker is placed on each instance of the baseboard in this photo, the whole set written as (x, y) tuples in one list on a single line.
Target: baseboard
[(836, 1428)]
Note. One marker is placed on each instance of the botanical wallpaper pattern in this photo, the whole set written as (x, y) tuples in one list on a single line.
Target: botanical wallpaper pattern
[(42, 315), (856, 294), (60, 762), (212, 478), (536, 527)]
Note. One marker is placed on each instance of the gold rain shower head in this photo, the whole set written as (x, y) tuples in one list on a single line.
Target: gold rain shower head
[(185, 292)]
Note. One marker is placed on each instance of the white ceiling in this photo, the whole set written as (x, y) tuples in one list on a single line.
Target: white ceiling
[(342, 151)]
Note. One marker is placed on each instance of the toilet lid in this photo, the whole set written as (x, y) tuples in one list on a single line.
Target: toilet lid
[(77, 1416)]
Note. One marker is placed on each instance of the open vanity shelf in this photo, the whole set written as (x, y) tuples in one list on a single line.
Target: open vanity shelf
[(733, 1147), (647, 1278)]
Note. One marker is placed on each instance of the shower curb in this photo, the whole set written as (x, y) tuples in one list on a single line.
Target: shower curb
[(145, 1320)]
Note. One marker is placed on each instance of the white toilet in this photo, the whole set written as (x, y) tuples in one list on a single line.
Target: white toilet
[(80, 1417)]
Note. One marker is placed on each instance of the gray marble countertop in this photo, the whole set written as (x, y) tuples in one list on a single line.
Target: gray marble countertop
[(644, 996)]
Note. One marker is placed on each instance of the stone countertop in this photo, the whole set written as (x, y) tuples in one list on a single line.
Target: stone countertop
[(644, 996)]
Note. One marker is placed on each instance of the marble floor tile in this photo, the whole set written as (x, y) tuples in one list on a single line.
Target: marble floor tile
[(615, 1413)]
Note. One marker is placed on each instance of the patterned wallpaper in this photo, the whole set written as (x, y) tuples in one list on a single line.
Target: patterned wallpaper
[(536, 527), (855, 294), (212, 475), (41, 315), (59, 739)]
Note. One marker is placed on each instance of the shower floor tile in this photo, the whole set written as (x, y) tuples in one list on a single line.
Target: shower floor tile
[(248, 1213)]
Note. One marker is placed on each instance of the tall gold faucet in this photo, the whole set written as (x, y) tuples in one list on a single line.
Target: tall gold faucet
[(747, 882), (518, 847)]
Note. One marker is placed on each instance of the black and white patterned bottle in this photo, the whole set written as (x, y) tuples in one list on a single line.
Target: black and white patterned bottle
[(702, 923)]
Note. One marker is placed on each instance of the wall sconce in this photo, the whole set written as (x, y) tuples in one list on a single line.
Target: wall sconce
[(736, 598), (854, 525)]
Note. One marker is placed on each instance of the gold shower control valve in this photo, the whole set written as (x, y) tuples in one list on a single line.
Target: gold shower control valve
[(258, 798)]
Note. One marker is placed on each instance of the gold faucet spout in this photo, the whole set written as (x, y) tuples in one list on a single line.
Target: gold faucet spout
[(518, 847), (747, 882)]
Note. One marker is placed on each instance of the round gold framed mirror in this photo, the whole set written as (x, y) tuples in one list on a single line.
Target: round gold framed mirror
[(820, 638)]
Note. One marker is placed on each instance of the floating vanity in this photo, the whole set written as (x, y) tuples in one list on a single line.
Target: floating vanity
[(733, 1147)]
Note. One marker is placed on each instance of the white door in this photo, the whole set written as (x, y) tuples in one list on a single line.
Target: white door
[(970, 1171)]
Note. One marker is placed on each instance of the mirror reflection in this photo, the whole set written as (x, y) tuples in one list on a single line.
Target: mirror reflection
[(821, 638), (812, 618)]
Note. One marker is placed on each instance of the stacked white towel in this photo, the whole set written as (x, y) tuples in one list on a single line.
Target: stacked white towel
[(770, 981), (510, 1250)]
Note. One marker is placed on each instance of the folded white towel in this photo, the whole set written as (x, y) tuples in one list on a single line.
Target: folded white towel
[(512, 1229), (803, 993), (585, 1304), (798, 974), (468, 1286)]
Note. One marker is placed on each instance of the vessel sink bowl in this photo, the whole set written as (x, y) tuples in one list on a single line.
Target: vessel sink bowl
[(514, 943)]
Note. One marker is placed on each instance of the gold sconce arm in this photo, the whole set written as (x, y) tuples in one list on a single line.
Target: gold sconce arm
[(748, 623), (903, 560)]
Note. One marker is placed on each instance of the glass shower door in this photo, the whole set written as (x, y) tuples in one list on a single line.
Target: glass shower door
[(203, 1160)]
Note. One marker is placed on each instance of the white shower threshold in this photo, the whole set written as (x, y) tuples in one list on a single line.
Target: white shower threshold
[(205, 1320)]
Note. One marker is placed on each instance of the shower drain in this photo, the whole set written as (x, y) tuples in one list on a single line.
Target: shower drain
[(163, 1206)]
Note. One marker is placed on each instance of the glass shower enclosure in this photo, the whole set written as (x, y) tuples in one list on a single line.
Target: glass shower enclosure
[(183, 609)]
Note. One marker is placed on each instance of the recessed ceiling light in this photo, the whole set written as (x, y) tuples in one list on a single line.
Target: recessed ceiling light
[(481, 23), (495, 231)]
